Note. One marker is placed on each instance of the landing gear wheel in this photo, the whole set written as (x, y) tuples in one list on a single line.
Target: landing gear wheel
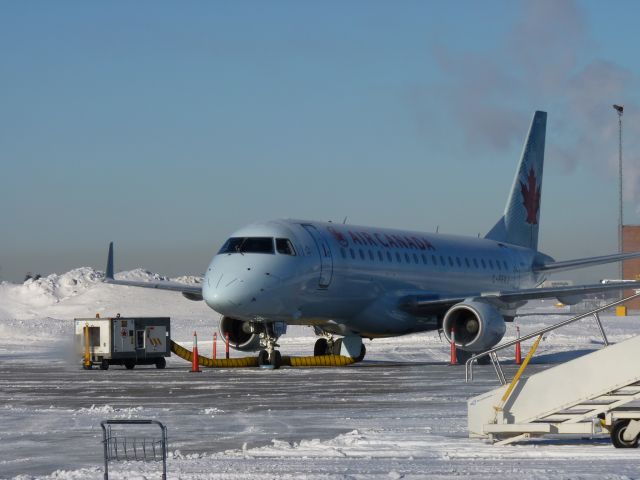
[(129, 364), (363, 352), (161, 363), (104, 365), (276, 359), (486, 360), (337, 347), (616, 435), (462, 356), (321, 347), (263, 358)]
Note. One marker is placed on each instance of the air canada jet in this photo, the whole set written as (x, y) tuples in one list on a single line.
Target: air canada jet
[(360, 282)]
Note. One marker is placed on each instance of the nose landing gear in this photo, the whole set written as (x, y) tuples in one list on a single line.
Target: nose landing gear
[(269, 357)]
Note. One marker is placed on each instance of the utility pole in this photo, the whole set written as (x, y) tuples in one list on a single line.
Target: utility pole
[(620, 110)]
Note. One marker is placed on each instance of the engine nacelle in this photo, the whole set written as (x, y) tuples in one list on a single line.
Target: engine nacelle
[(478, 325), (570, 299), (243, 335)]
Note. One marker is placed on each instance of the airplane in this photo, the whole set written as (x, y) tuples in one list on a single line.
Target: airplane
[(360, 282)]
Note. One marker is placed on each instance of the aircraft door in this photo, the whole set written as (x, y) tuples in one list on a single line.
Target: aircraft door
[(326, 260)]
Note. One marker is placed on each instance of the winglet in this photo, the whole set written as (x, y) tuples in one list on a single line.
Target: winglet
[(108, 274)]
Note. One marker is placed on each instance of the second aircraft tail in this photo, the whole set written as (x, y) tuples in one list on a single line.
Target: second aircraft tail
[(519, 223)]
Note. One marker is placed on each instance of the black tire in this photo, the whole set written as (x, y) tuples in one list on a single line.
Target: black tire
[(161, 363), (337, 346), (321, 347), (263, 358), (363, 352), (486, 360), (130, 364), (276, 359), (104, 365), (462, 356), (618, 431)]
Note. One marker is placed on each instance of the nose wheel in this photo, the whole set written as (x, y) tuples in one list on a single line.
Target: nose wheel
[(273, 361), (270, 358)]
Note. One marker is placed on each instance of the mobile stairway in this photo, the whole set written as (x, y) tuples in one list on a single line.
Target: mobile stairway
[(587, 396)]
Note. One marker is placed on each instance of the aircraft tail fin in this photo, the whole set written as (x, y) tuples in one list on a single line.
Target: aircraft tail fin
[(519, 223)]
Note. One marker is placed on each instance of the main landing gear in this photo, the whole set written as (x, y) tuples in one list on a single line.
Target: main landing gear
[(327, 345)]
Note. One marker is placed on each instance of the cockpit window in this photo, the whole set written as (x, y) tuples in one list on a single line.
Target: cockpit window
[(248, 245), (284, 246)]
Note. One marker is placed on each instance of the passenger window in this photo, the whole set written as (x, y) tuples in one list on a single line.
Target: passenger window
[(284, 246), (484, 265), (498, 265), (506, 267), (490, 264), (475, 262), (458, 261), (444, 264), (466, 261), (406, 257), (450, 261)]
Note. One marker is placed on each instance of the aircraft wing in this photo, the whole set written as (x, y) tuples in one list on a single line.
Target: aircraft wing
[(551, 266), (192, 292), (428, 304)]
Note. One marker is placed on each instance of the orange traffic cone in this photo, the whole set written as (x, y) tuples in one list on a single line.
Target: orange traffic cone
[(454, 356), (195, 366), (518, 351)]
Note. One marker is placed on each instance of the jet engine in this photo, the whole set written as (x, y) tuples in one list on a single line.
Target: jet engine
[(478, 325), (243, 335)]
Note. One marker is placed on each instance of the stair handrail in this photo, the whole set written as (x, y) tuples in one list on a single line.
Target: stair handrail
[(468, 366)]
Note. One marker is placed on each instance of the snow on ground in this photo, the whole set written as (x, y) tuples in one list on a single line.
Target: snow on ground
[(399, 414)]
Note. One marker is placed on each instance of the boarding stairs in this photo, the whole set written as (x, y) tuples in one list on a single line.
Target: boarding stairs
[(590, 395)]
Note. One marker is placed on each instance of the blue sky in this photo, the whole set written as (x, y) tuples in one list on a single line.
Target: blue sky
[(164, 126)]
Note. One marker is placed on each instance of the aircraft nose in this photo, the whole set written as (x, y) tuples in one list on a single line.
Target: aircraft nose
[(227, 294), (240, 285)]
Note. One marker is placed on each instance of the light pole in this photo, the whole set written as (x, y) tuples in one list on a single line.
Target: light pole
[(620, 110)]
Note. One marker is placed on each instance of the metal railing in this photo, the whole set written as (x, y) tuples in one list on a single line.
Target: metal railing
[(492, 353), (121, 448)]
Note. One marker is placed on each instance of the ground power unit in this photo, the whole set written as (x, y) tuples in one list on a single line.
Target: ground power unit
[(124, 341)]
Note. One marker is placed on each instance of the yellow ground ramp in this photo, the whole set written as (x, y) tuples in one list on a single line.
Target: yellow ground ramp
[(319, 361)]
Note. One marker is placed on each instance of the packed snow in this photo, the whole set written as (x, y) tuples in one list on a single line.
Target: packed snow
[(399, 414)]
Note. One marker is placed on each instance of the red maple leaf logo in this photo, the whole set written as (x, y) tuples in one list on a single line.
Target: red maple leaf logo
[(531, 197), (338, 236)]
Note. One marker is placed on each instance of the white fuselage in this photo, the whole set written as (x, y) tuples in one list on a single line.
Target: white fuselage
[(349, 279)]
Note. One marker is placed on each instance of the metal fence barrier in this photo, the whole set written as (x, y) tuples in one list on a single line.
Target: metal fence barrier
[(121, 448)]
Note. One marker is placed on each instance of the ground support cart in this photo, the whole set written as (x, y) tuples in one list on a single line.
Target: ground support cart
[(127, 341)]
